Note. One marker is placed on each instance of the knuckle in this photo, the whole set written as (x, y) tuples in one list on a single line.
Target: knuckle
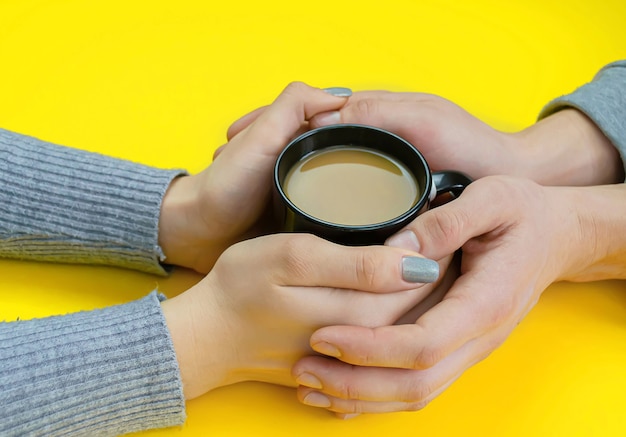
[(295, 87), (447, 225), (366, 110), (346, 389), (294, 259), (293, 244), (351, 391), (501, 313), (427, 357), (365, 269), (418, 392), (285, 115)]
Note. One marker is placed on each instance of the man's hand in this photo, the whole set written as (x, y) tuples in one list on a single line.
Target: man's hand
[(517, 237)]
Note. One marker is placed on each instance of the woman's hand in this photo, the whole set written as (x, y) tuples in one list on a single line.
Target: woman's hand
[(517, 237), (252, 316), (204, 214)]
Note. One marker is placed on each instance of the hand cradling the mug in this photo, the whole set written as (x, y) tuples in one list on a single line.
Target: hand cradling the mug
[(451, 138), (204, 214), (512, 250)]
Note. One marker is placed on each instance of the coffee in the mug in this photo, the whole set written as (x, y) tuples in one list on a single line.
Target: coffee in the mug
[(351, 185)]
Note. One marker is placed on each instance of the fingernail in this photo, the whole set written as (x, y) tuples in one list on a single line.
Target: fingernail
[(346, 416), (309, 380), (405, 240), (315, 399), (328, 118), (327, 349), (338, 91), (422, 270)]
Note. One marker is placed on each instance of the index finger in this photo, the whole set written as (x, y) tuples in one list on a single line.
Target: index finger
[(258, 145), (295, 105), (244, 122), (462, 316), (307, 260), (401, 113), (278, 122)]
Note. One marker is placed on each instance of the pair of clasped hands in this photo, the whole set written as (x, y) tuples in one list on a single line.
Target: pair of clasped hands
[(341, 323)]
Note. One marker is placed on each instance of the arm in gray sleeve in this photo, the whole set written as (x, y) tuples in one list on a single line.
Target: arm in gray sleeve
[(603, 100), (104, 372), (67, 205)]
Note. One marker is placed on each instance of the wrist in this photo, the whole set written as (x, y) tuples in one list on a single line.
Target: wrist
[(190, 231), (597, 249), (174, 219), (196, 323), (567, 148)]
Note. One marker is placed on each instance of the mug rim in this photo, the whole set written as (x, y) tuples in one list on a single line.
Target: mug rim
[(419, 204)]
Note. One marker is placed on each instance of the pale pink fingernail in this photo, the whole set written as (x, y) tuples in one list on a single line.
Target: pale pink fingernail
[(327, 349), (315, 399), (309, 380), (328, 118), (346, 416), (405, 240)]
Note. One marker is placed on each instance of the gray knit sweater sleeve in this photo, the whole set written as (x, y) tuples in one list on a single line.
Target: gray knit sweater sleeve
[(68, 205), (604, 101), (102, 372)]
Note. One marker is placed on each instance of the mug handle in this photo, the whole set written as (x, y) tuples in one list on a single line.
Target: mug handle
[(450, 183)]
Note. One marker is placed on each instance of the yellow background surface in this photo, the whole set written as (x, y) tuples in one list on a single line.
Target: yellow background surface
[(159, 82)]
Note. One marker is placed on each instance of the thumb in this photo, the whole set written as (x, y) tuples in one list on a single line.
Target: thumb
[(269, 129), (244, 122), (272, 127), (445, 229)]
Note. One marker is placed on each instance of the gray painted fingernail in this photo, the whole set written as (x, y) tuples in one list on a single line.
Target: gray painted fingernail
[(422, 270), (338, 91)]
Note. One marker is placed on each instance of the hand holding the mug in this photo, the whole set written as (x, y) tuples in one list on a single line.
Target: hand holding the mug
[(513, 248), (565, 148), (204, 214), (252, 316)]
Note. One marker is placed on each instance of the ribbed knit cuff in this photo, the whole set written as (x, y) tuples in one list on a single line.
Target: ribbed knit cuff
[(604, 101), (68, 205), (103, 372)]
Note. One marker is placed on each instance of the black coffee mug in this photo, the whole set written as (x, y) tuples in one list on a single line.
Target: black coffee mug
[(291, 218)]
